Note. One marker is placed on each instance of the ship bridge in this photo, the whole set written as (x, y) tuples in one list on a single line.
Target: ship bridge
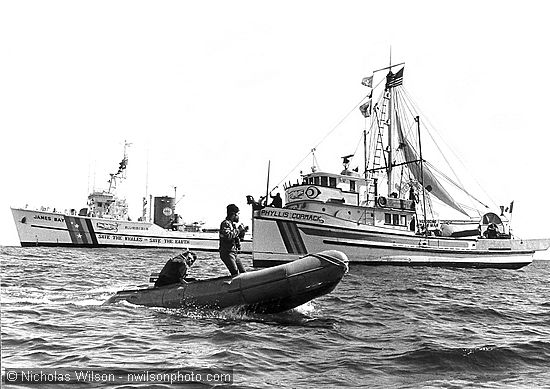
[(346, 196), (345, 188)]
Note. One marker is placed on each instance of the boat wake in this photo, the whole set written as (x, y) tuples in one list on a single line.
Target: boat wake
[(306, 315), (32, 296)]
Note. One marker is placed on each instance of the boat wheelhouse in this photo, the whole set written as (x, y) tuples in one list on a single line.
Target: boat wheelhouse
[(345, 197)]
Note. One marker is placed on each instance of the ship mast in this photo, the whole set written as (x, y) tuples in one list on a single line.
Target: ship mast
[(388, 96), (121, 173), (365, 149), (417, 120), (390, 159), (390, 156)]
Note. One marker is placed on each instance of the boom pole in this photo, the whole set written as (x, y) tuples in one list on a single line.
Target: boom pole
[(417, 120), (267, 185)]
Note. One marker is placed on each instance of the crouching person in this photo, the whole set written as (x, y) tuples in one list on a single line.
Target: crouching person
[(176, 269)]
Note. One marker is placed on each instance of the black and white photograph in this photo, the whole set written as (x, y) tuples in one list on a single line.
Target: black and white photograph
[(253, 194)]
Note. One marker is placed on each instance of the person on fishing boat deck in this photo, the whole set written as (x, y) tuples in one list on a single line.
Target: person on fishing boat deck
[(230, 240), (175, 270), (491, 232), (277, 201)]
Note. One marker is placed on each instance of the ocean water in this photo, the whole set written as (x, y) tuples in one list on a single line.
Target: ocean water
[(381, 327)]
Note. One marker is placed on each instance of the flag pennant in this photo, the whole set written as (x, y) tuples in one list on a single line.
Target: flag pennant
[(509, 208), (122, 165), (366, 108), (393, 80), (367, 81)]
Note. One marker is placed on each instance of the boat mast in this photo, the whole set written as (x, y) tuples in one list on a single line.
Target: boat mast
[(387, 96), (390, 163), (390, 157), (144, 204), (417, 120), (267, 184), (365, 148)]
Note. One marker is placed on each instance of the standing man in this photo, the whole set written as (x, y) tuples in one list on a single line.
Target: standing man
[(277, 201), (230, 240)]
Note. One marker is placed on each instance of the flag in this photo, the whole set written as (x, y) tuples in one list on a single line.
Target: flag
[(122, 165), (367, 81), (366, 108), (393, 80)]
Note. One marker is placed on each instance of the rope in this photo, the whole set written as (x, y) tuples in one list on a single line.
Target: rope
[(331, 131), (427, 120), (449, 180), (323, 139), (407, 98)]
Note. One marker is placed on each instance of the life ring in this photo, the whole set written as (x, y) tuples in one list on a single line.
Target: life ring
[(382, 201)]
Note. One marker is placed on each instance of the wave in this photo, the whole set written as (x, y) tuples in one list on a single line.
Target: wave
[(403, 291), (381, 327), (472, 311), (483, 358)]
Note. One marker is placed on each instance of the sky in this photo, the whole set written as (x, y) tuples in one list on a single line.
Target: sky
[(210, 92)]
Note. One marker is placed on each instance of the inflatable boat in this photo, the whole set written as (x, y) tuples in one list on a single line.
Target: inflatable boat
[(269, 290)]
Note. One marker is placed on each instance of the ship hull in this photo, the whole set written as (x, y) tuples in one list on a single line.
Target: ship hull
[(282, 234), (51, 229), (270, 290)]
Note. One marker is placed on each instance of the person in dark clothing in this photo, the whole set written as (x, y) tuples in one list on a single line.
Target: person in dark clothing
[(491, 232), (175, 270), (277, 201), (412, 224), (256, 205), (230, 240)]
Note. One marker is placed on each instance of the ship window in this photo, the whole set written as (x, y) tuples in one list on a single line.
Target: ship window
[(395, 219), (99, 204), (316, 180), (332, 182), (403, 220), (352, 185), (324, 181), (387, 218)]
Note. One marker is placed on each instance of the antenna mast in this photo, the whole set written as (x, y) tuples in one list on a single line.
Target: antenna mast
[(144, 202)]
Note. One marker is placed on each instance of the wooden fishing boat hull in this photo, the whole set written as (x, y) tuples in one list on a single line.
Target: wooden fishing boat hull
[(270, 290), (282, 234)]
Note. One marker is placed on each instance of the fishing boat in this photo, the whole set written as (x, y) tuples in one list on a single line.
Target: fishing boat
[(388, 209), (270, 290), (105, 222)]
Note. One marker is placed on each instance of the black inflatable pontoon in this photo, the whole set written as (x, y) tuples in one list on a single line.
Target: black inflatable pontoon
[(270, 290)]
